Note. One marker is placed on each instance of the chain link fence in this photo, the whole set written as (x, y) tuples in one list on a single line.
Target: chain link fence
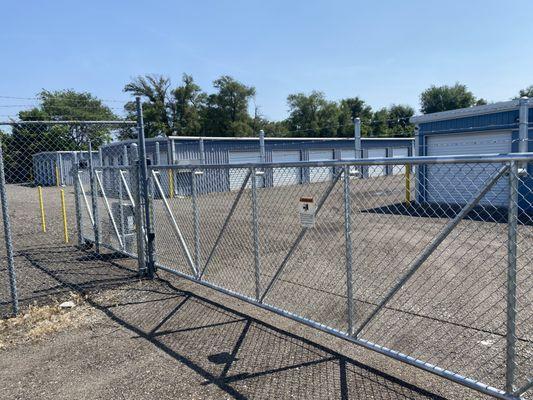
[(50, 210), (429, 263)]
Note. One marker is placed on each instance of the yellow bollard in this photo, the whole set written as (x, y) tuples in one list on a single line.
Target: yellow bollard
[(171, 183), (408, 184), (41, 206), (58, 183), (64, 210)]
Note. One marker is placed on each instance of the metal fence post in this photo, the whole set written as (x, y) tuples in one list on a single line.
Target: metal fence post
[(77, 204), (144, 190), (8, 237), (348, 247), (94, 203), (511, 278), (136, 193), (257, 260), (196, 218)]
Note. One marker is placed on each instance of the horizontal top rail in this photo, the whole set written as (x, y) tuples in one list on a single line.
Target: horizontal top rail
[(460, 159), (68, 122)]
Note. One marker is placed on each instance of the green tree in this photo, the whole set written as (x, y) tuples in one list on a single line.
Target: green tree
[(226, 112), (527, 92), (189, 102), (398, 120), (349, 109), (443, 98), (26, 140), (155, 93), (312, 115)]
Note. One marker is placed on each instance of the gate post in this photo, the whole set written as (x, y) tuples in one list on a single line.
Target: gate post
[(257, 261), (79, 221), (511, 278), (196, 218), (94, 204), (348, 240), (145, 193), (136, 193), (8, 238)]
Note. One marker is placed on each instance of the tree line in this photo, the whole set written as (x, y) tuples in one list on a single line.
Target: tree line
[(187, 110)]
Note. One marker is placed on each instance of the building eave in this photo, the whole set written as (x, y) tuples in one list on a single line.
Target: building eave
[(466, 112)]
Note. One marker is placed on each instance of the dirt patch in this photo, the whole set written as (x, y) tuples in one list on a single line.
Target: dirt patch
[(38, 322)]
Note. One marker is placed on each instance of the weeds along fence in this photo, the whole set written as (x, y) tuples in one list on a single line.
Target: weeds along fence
[(430, 265)]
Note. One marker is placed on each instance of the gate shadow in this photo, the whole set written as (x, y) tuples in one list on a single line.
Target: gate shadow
[(240, 355), (448, 211)]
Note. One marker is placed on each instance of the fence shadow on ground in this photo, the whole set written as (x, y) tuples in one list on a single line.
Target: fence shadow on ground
[(448, 211), (48, 274), (237, 355)]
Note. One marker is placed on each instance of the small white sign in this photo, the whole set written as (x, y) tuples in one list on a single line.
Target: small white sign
[(307, 210)]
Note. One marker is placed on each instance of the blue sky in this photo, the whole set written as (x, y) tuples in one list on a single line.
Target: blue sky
[(385, 52)]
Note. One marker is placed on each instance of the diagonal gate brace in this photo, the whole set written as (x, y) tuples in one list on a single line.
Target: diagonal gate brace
[(108, 208), (434, 244), (175, 226), (226, 221), (300, 236)]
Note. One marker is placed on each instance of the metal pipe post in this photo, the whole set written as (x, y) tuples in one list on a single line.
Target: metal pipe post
[(64, 215), (523, 124), (41, 208), (202, 151), (262, 145), (357, 137), (348, 241), (511, 278), (196, 222), (8, 238), (143, 186), (255, 218), (77, 204), (139, 226), (94, 203)]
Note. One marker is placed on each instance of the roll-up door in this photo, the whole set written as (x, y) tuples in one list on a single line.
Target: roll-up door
[(320, 174), (237, 175), (286, 176), (457, 183), (399, 152), (376, 170)]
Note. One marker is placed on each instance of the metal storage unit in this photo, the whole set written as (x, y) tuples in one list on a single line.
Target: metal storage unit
[(449, 183), (399, 152), (237, 175), (320, 174), (227, 150), (503, 127), (286, 176), (52, 168), (376, 170)]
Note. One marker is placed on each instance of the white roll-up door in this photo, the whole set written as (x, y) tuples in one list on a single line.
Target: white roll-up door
[(457, 183), (376, 170), (399, 152), (349, 154), (320, 174), (286, 176), (237, 175)]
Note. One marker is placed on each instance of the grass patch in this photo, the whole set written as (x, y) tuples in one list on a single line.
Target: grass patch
[(40, 321)]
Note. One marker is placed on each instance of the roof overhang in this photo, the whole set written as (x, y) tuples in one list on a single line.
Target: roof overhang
[(467, 112)]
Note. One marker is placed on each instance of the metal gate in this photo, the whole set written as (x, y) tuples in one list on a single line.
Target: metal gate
[(445, 286)]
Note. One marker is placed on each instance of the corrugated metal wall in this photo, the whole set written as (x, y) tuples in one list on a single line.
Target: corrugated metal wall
[(48, 167), (499, 121)]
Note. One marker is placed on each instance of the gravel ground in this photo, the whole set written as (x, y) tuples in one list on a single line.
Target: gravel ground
[(451, 313)]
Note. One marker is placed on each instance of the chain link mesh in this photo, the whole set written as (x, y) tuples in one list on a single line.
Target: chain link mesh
[(75, 210)]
